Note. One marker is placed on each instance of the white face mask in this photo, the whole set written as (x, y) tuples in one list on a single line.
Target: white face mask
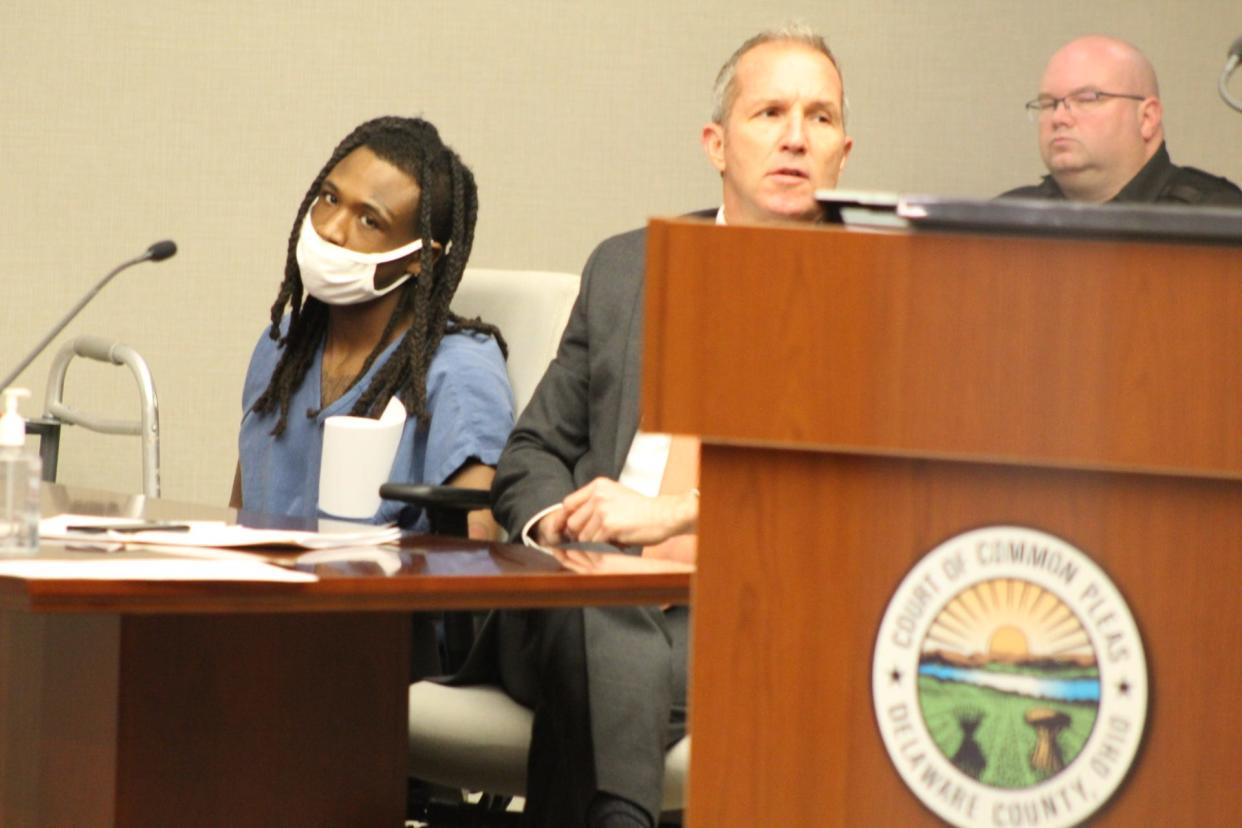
[(338, 276)]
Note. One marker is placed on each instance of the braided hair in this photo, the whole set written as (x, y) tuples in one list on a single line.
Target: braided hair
[(446, 213)]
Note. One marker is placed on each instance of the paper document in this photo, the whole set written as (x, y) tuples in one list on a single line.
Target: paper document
[(153, 569), (95, 530), (357, 458)]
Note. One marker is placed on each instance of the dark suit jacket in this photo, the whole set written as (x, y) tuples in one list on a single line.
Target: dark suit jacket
[(578, 426), (584, 413)]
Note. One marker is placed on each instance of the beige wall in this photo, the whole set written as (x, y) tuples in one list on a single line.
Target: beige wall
[(129, 121)]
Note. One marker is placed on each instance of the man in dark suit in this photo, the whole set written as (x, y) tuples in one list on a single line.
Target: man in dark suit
[(608, 685), (1101, 132)]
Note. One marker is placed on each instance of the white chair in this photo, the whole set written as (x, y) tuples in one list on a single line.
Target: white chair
[(530, 307), (476, 738)]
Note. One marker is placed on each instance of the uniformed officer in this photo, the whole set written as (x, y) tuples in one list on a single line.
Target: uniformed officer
[(1101, 134)]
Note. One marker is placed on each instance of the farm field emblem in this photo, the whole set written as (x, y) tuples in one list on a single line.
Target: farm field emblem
[(1009, 681)]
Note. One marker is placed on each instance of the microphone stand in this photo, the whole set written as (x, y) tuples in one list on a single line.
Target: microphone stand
[(156, 252)]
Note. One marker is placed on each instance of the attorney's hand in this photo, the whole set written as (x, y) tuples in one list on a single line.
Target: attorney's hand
[(550, 530), (607, 512)]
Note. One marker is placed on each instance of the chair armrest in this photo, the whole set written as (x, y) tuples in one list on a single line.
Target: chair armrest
[(437, 497), (446, 506)]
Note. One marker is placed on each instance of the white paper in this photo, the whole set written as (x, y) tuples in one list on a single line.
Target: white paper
[(213, 533), (153, 569), (357, 458)]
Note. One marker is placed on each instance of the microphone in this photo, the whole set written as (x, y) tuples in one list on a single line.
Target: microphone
[(162, 250), (1232, 59), (157, 252)]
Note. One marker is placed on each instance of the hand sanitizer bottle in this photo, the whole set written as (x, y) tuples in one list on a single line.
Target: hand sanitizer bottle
[(19, 482)]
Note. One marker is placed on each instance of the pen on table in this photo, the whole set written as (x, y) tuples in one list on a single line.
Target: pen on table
[(130, 527)]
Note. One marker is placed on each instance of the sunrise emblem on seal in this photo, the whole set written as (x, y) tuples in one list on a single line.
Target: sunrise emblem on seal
[(1009, 681)]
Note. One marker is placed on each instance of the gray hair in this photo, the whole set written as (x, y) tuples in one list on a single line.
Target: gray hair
[(724, 93)]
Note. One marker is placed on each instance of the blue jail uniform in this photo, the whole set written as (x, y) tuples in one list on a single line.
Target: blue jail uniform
[(469, 414)]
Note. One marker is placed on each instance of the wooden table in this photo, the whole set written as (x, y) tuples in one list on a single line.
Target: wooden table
[(217, 703)]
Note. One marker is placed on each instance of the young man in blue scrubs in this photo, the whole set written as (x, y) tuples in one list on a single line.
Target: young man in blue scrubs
[(377, 251)]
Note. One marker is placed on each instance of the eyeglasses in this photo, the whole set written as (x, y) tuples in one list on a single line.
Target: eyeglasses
[(1085, 99)]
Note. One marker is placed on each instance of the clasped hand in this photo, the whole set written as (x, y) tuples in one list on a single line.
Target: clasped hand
[(604, 511)]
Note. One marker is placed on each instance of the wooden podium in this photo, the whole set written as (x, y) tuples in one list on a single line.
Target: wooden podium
[(862, 396)]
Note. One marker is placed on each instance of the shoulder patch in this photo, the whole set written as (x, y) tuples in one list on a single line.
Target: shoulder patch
[(1191, 186)]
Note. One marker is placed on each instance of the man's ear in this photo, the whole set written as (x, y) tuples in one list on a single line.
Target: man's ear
[(415, 265), (713, 144), (846, 146), (1151, 113)]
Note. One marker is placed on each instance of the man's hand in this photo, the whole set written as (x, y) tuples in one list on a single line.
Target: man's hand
[(605, 511), (550, 530)]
